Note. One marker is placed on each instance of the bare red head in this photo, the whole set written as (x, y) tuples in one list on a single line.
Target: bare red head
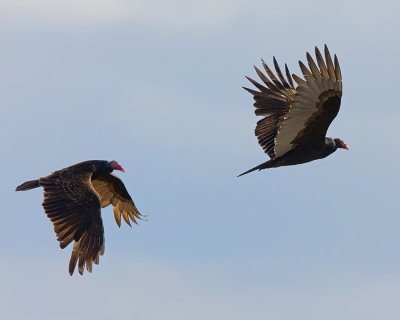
[(116, 166), (340, 144)]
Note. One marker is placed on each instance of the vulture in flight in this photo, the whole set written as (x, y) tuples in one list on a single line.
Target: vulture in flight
[(296, 117), (73, 198)]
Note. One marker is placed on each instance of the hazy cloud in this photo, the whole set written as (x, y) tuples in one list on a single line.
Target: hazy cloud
[(125, 287), (176, 14)]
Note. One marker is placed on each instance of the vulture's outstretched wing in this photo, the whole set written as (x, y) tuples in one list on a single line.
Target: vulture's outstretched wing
[(112, 191), (272, 102), (301, 115), (74, 208)]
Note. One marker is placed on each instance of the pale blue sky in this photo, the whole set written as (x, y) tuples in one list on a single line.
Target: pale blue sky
[(156, 85)]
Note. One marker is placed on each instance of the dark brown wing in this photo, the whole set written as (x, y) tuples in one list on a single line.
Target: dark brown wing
[(315, 104), (301, 115), (112, 191), (74, 208), (272, 102), (313, 135)]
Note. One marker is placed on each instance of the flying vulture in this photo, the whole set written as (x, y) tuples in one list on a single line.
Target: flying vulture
[(296, 118), (73, 198)]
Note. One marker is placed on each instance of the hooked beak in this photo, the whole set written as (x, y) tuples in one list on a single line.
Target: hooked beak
[(117, 166), (341, 144)]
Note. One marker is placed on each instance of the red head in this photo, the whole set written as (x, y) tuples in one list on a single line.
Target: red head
[(116, 166), (340, 144)]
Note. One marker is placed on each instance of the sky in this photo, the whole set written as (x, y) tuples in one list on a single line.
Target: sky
[(156, 85)]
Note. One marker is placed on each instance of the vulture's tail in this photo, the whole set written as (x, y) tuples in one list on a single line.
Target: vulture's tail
[(261, 166), (28, 185)]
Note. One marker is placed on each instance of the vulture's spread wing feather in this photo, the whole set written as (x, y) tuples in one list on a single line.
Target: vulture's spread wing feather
[(298, 116), (272, 102), (74, 209), (112, 191)]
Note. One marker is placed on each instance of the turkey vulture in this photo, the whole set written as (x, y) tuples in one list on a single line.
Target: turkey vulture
[(296, 118), (73, 198)]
